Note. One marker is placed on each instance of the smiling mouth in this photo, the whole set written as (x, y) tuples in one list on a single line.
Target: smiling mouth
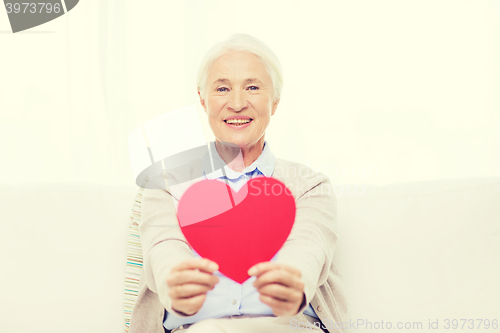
[(238, 122)]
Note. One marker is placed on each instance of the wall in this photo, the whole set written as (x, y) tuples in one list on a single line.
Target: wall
[(375, 91)]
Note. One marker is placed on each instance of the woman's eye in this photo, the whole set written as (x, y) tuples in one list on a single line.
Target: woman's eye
[(253, 88), (221, 89)]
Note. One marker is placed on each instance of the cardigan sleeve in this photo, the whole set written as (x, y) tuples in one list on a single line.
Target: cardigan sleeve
[(163, 244), (311, 243)]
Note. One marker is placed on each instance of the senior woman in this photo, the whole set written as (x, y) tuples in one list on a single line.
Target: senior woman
[(239, 86)]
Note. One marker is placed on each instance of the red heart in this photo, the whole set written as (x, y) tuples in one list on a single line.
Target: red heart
[(237, 229)]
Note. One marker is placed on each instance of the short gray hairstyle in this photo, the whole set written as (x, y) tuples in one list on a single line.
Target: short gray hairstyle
[(243, 42)]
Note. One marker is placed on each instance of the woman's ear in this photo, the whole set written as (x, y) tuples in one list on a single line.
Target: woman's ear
[(275, 106), (202, 101)]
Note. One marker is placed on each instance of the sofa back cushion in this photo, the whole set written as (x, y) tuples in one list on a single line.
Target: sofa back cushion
[(421, 251)]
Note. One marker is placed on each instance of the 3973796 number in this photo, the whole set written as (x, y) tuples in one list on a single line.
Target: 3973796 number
[(470, 324), (33, 7)]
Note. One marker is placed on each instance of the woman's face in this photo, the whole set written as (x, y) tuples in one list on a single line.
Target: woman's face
[(239, 99)]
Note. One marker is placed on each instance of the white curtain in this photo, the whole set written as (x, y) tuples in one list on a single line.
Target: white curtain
[(375, 92)]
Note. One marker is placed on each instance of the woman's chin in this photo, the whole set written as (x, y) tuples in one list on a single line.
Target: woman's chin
[(242, 141)]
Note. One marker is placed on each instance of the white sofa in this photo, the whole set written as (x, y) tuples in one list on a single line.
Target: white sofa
[(412, 252)]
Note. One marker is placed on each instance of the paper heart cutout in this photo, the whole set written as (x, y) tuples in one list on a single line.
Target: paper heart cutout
[(237, 229)]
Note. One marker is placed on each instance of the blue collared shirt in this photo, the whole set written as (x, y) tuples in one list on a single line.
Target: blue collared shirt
[(229, 298)]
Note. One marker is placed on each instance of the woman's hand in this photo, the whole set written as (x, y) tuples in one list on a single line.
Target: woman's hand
[(189, 282), (280, 286)]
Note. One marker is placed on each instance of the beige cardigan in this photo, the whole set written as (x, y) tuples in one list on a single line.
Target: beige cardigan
[(309, 247)]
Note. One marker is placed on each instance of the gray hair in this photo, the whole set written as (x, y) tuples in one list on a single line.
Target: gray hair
[(243, 42)]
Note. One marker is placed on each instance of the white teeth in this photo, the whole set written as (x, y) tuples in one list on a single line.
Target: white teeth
[(237, 121)]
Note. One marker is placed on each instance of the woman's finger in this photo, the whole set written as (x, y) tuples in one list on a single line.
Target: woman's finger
[(279, 276), (191, 276), (202, 264), (280, 293), (265, 266), (189, 305), (187, 290), (279, 308)]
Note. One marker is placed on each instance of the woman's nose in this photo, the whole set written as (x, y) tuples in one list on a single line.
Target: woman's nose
[(237, 101)]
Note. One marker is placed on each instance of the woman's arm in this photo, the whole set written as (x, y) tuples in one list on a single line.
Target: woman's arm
[(163, 244), (313, 238)]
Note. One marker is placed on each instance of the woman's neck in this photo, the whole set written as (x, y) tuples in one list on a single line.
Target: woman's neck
[(237, 158)]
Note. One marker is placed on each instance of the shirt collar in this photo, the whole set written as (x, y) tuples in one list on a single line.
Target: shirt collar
[(264, 163)]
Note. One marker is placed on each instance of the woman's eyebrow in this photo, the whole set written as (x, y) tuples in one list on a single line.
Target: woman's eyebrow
[(226, 81), (253, 80), (221, 81)]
